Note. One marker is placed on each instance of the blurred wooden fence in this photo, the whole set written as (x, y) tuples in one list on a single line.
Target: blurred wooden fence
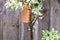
[(55, 15), (13, 28)]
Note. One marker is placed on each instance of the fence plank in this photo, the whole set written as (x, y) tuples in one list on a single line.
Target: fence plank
[(26, 31), (21, 26), (1, 27), (1, 20), (10, 27), (44, 24), (55, 15), (46, 19)]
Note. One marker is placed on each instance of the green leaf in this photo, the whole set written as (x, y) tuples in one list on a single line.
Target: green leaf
[(33, 1), (50, 35), (37, 9), (40, 5), (17, 0)]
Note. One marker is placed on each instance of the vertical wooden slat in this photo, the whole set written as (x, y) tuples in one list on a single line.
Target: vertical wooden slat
[(40, 29), (21, 26), (46, 19), (10, 27), (1, 27), (55, 15), (44, 24), (52, 15), (26, 31), (1, 20), (35, 30)]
